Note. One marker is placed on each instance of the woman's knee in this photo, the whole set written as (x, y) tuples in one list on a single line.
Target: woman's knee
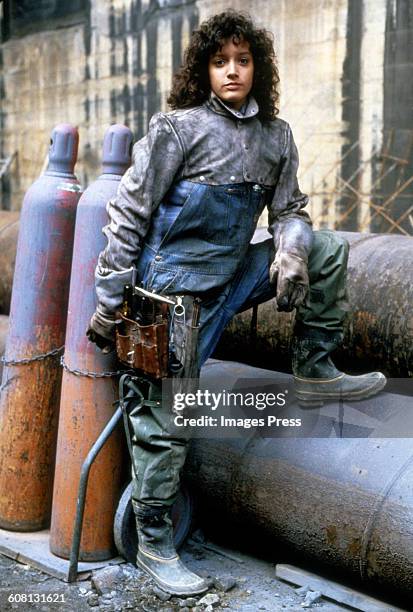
[(328, 248), (330, 241)]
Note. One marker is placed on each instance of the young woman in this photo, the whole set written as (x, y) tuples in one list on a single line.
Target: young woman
[(183, 218)]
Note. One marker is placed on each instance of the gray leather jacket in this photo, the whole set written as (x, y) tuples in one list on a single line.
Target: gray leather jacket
[(211, 144)]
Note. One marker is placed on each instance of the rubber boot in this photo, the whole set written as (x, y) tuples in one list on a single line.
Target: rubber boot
[(157, 555), (316, 378)]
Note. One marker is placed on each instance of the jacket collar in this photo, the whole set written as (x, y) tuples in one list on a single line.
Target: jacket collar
[(215, 104)]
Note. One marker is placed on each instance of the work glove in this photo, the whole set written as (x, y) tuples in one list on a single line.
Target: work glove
[(101, 331), (290, 274)]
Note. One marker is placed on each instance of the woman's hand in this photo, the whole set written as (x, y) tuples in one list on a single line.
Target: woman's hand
[(101, 331), (290, 273)]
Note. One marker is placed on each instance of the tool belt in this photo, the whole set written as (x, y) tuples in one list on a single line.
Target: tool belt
[(152, 333)]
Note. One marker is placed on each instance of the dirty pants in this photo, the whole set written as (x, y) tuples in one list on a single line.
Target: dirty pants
[(158, 452)]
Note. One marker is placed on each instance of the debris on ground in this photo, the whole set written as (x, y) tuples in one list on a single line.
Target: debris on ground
[(310, 598), (160, 594), (106, 579), (211, 599), (246, 587), (303, 590), (224, 583)]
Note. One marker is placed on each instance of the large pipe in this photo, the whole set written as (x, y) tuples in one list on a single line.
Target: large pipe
[(9, 229), (378, 330), (346, 503), (30, 389)]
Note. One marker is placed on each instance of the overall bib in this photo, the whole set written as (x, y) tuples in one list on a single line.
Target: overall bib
[(199, 244)]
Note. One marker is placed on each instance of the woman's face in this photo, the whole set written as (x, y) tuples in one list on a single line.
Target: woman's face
[(231, 72)]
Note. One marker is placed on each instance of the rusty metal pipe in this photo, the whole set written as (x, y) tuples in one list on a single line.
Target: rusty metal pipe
[(87, 400), (30, 391), (9, 229), (378, 330), (346, 503)]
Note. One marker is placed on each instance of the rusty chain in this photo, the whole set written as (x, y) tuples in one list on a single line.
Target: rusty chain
[(54, 353), (26, 360), (76, 372)]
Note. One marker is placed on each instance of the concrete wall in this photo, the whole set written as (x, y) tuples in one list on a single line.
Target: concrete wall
[(397, 122), (113, 60)]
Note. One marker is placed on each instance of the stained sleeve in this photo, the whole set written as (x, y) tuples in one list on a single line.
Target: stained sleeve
[(156, 159), (289, 224)]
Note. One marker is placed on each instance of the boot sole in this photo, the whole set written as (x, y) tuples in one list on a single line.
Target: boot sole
[(311, 399), (165, 586)]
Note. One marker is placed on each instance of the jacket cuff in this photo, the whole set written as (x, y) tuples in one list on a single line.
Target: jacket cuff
[(109, 289), (103, 324), (294, 236)]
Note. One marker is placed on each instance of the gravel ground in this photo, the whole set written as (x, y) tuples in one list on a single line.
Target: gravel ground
[(239, 583)]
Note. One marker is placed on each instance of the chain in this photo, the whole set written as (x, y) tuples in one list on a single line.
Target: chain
[(77, 372), (40, 357), (54, 353)]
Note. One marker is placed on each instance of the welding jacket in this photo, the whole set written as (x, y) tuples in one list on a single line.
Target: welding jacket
[(188, 206)]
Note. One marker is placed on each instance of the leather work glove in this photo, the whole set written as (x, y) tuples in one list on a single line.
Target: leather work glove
[(101, 331), (290, 273)]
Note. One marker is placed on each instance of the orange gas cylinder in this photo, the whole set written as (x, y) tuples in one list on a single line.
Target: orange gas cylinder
[(32, 374), (87, 393)]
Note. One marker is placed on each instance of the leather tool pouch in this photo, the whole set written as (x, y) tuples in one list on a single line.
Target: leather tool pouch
[(145, 346)]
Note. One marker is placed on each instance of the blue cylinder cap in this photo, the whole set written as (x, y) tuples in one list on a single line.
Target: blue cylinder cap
[(64, 144), (117, 149)]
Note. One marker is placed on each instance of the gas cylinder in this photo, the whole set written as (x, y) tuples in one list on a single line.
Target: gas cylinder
[(87, 395), (32, 375)]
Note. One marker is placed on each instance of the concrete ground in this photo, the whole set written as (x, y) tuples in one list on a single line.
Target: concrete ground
[(238, 582)]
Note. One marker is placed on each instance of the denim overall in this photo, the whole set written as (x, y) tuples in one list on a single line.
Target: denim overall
[(198, 240), (199, 243)]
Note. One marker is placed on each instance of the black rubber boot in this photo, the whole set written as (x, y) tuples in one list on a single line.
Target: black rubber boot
[(157, 555), (316, 378)]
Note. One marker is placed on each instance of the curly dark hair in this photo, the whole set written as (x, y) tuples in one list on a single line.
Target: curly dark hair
[(191, 87)]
